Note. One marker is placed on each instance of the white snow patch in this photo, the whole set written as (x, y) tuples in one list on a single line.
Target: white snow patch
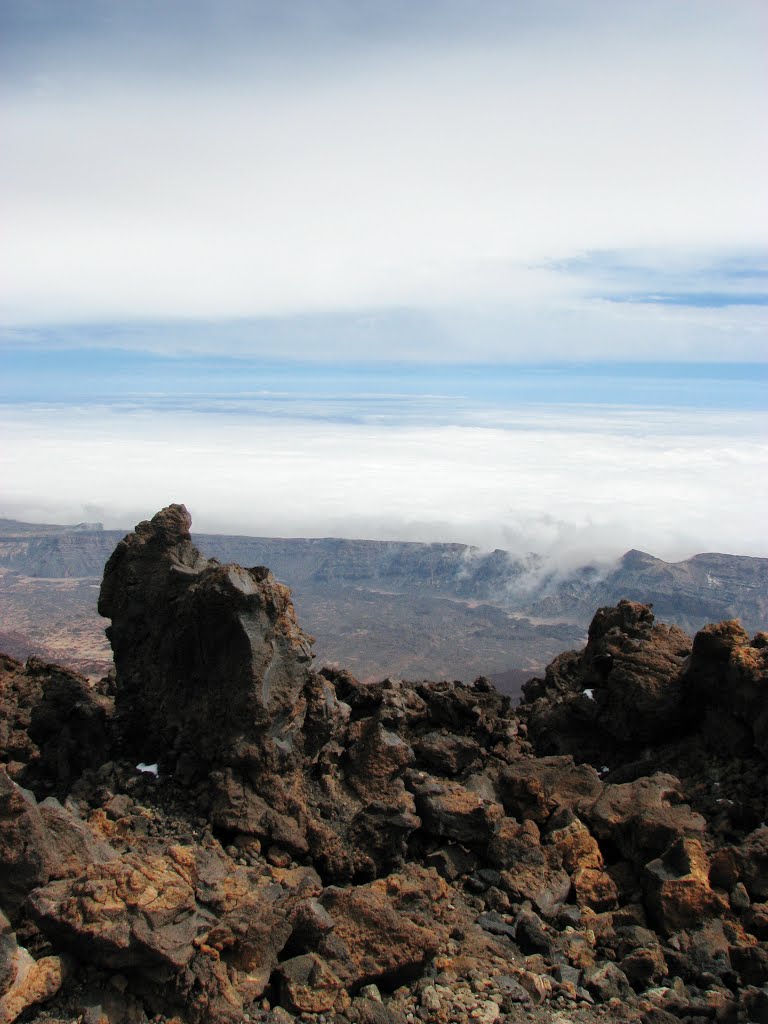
[(151, 768), (590, 694)]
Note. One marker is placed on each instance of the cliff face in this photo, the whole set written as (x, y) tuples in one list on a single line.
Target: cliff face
[(312, 848), (706, 587), (416, 610)]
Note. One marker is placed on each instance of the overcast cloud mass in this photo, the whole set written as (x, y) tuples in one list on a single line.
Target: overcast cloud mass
[(201, 199), (251, 159)]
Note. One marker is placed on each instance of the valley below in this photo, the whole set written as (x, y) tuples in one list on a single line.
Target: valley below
[(380, 608)]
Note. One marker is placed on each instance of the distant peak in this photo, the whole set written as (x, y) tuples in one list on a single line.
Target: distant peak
[(635, 558)]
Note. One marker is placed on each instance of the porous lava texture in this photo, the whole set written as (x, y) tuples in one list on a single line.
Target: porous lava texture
[(299, 846)]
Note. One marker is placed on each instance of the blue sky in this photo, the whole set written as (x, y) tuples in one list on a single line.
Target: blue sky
[(356, 220), (115, 375)]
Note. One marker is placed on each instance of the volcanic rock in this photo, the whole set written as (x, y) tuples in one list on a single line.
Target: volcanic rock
[(53, 725), (679, 893), (25, 981), (209, 658), (388, 930), (643, 818), (307, 984), (395, 851), (26, 857), (128, 913)]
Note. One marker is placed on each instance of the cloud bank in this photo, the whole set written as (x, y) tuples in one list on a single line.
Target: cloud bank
[(570, 486)]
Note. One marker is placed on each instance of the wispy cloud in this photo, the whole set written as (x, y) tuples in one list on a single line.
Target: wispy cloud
[(681, 277)]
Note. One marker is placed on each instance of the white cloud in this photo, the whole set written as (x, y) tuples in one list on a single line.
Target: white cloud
[(435, 176), (571, 486)]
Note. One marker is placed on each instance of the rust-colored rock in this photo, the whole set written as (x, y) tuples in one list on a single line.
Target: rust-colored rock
[(644, 817), (678, 891), (308, 985), (127, 913), (449, 810), (535, 788), (281, 853), (386, 930), (26, 981), (594, 888)]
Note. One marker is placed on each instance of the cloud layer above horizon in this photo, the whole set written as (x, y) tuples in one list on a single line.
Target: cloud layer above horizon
[(317, 268), (572, 483), (521, 176)]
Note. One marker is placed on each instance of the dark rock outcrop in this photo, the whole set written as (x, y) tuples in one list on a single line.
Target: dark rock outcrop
[(639, 683), (209, 657), (396, 851), (53, 725)]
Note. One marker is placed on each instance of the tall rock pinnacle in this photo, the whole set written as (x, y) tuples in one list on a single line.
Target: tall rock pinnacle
[(208, 657)]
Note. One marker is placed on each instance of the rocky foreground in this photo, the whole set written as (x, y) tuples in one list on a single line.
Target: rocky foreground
[(302, 846)]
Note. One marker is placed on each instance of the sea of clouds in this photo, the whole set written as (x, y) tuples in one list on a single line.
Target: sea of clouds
[(570, 482)]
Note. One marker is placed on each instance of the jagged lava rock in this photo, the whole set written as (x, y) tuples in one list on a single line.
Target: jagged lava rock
[(207, 655), (727, 684), (291, 851), (26, 857), (53, 725), (640, 683), (25, 981)]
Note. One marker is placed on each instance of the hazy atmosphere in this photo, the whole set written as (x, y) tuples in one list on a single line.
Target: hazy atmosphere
[(489, 272)]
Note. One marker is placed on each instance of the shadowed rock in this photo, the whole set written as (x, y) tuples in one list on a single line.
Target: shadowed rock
[(209, 657), (639, 683)]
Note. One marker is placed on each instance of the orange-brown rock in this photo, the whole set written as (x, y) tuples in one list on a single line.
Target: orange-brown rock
[(24, 981), (449, 810), (644, 817), (387, 929), (126, 913), (577, 846), (594, 888), (535, 788), (308, 985), (678, 893), (539, 878)]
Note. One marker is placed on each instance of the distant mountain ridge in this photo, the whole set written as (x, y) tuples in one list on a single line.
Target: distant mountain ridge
[(14, 526), (707, 587)]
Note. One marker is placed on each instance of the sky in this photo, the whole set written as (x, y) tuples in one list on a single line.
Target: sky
[(492, 272)]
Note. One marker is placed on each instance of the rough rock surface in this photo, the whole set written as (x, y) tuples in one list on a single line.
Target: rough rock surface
[(312, 848), (204, 653)]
